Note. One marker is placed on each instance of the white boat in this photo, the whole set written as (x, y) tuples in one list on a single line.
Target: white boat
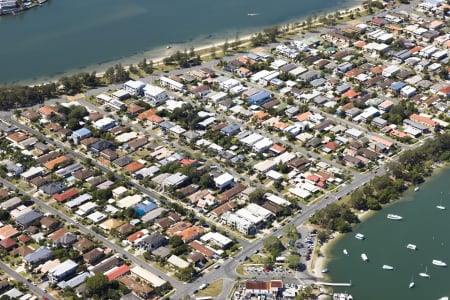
[(394, 217), (325, 270), (416, 189), (439, 263), (411, 284), (443, 298), (360, 236), (411, 246), (252, 15), (168, 47), (440, 206), (388, 267), (364, 257), (425, 274), (345, 251)]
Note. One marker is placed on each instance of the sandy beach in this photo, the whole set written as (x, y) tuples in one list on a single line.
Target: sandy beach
[(320, 261)]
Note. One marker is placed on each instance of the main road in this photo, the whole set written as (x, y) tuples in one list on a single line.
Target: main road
[(19, 278)]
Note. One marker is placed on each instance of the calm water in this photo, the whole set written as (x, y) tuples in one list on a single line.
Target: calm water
[(386, 240), (71, 35)]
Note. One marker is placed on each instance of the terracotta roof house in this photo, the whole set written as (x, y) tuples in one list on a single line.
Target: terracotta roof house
[(48, 223), (46, 111), (134, 109), (206, 251), (140, 289), (70, 193), (55, 162), (134, 166), (7, 231), (125, 229), (191, 233), (24, 238), (8, 244), (83, 174), (57, 234), (83, 245), (94, 256), (22, 251)]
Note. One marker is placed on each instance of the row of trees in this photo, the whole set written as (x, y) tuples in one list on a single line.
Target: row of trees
[(411, 166), (17, 96)]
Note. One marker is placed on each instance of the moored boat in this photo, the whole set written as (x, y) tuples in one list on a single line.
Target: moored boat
[(412, 283), (411, 246), (416, 189), (440, 207), (387, 267), (425, 274), (438, 263), (364, 257), (325, 270), (345, 251), (394, 217), (360, 236)]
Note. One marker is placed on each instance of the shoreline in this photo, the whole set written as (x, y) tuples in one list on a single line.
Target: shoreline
[(157, 54), (324, 249)]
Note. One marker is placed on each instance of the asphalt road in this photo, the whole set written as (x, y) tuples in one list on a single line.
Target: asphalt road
[(16, 276)]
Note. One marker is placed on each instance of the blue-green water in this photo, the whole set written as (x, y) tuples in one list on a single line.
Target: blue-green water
[(72, 35), (423, 224)]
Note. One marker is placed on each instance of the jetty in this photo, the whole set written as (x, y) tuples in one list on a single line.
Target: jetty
[(334, 283)]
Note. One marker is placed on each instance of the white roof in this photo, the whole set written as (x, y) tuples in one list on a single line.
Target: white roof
[(224, 178), (62, 268), (82, 209), (252, 139), (301, 193), (153, 91), (104, 97), (96, 217), (32, 172), (126, 136), (217, 96), (120, 93), (354, 132), (178, 262), (263, 144), (103, 122), (134, 84), (216, 237), (274, 175), (298, 71), (309, 187), (171, 82), (119, 190), (369, 112), (261, 74), (129, 201), (248, 215), (148, 276), (277, 200), (264, 166), (258, 210), (284, 157)]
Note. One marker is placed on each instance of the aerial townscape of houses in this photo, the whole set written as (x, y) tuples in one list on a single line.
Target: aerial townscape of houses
[(181, 168)]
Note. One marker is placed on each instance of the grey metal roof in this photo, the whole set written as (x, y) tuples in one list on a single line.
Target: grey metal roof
[(29, 217)]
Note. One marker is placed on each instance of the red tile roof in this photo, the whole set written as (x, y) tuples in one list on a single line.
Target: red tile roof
[(117, 272), (134, 166), (66, 195)]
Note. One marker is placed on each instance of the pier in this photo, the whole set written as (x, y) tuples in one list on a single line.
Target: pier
[(335, 283)]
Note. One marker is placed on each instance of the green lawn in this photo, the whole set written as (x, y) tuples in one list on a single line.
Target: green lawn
[(213, 290)]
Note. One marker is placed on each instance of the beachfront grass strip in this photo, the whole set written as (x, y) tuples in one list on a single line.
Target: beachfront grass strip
[(213, 290)]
